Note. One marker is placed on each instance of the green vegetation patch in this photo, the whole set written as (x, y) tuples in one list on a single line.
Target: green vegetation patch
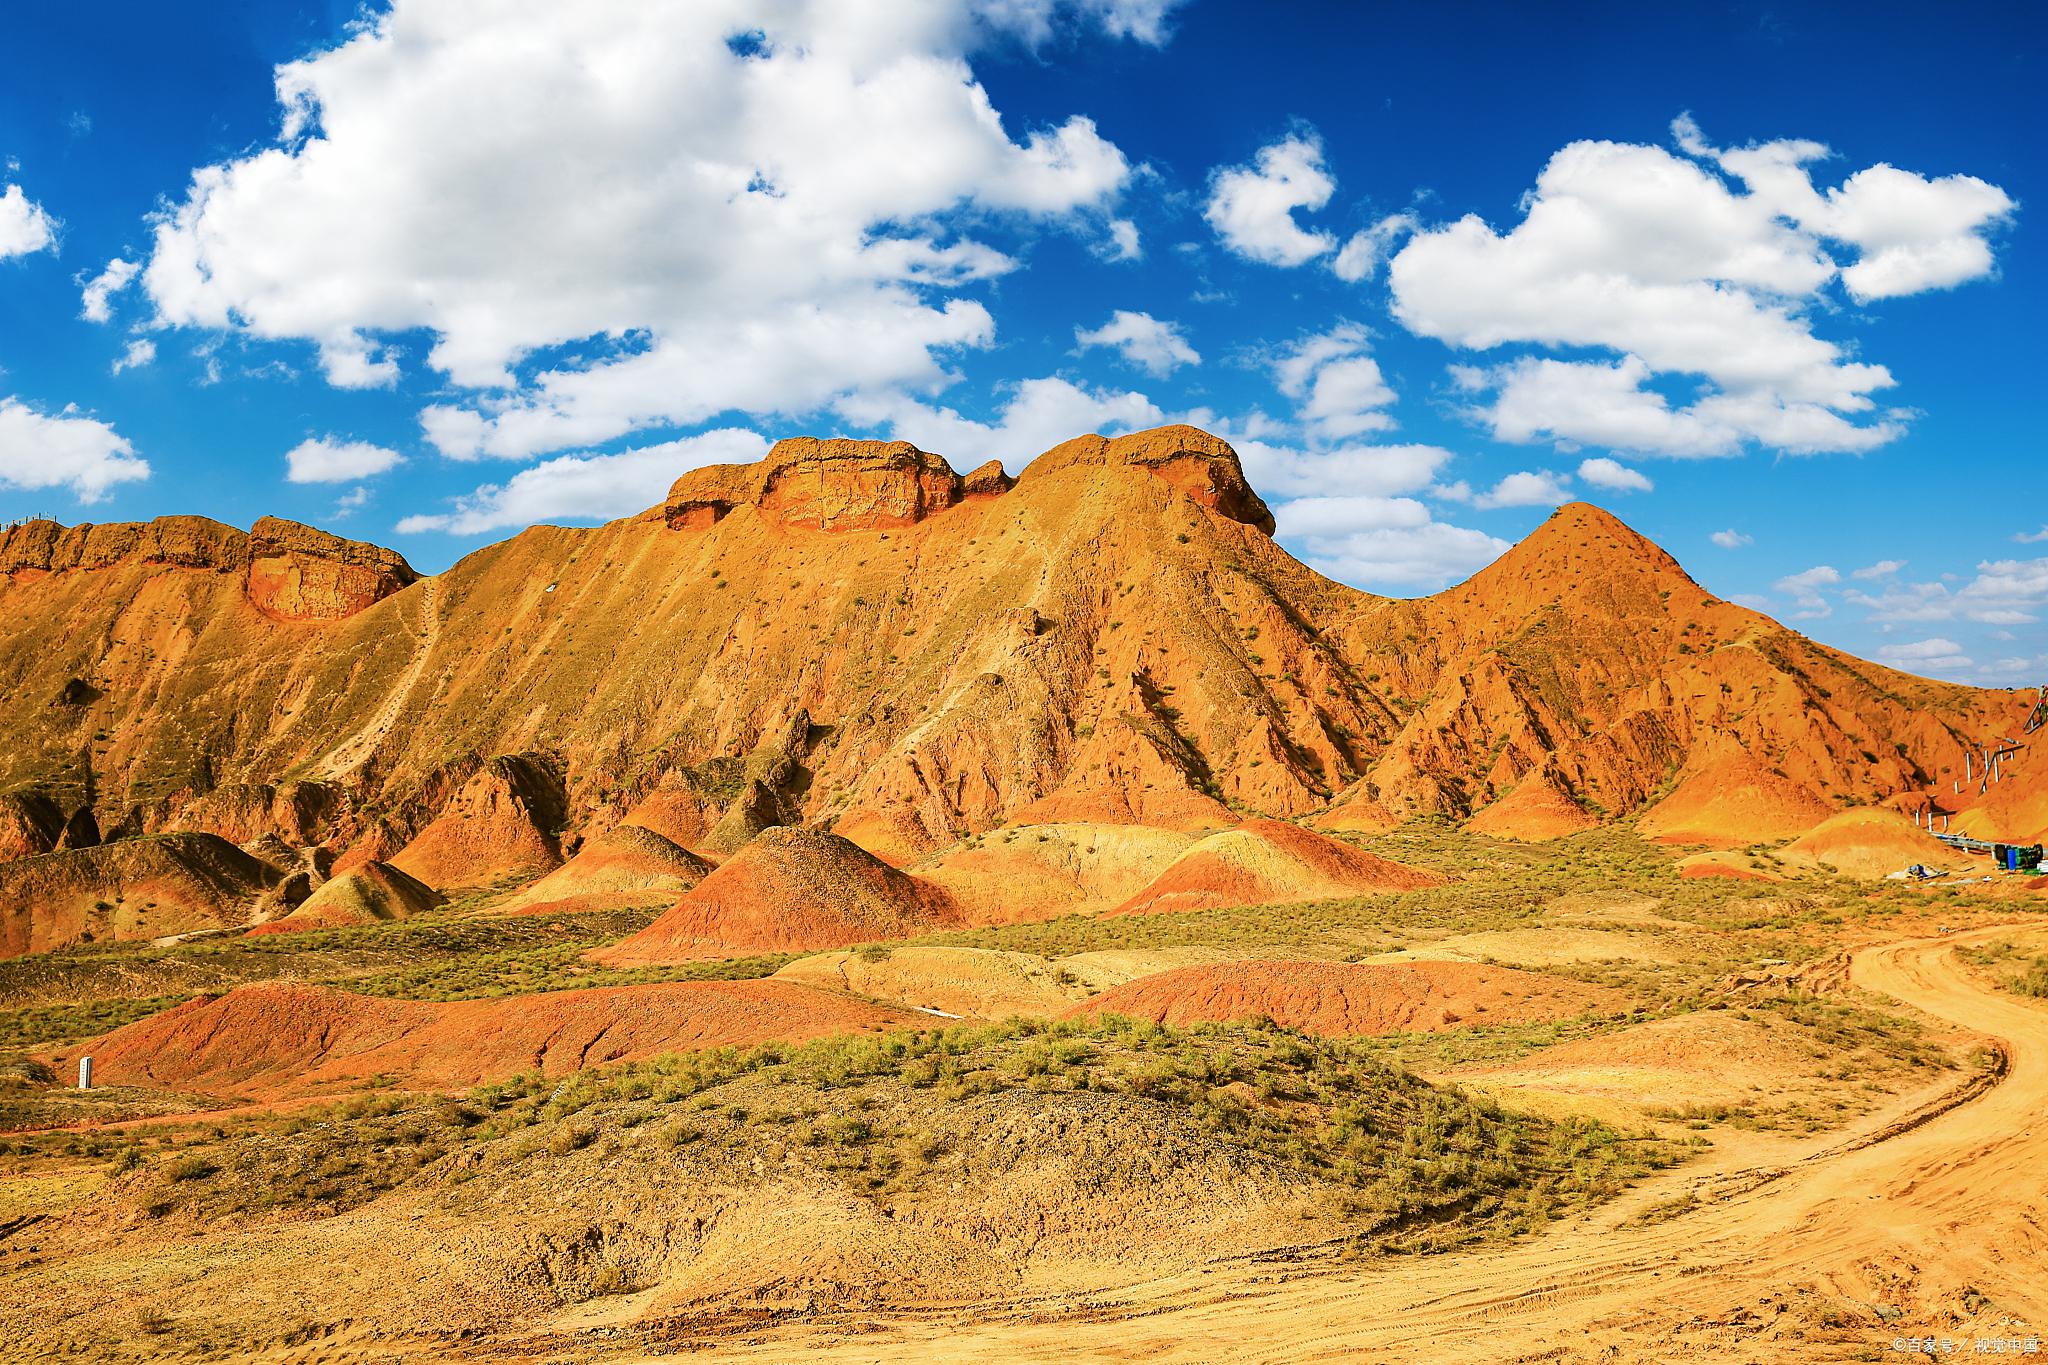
[(1407, 1165)]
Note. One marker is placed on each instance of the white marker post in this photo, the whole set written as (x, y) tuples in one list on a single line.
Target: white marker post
[(85, 1073)]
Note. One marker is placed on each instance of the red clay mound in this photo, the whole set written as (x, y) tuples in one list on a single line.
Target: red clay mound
[(1338, 999), (499, 826), (1733, 800), (791, 889), (1535, 810), (1266, 862), (1869, 843), (372, 892), (278, 1039), (151, 887), (1725, 865), (628, 864)]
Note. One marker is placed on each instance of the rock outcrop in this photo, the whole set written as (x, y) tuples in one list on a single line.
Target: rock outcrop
[(830, 485), (289, 572), (1203, 467), (297, 573)]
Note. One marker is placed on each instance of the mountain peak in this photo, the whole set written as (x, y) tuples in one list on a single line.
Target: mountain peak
[(1577, 545), (1198, 463)]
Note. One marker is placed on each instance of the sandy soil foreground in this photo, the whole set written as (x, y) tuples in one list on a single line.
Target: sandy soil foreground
[(1931, 1213)]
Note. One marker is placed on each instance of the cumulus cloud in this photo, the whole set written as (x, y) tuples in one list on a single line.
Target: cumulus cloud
[(1157, 347), (1338, 388), (39, 450), (1359, 258), (1122, 243), (1526, 488), (24, 227), (1252, 207), (1700, 270), (2032, 537), (139, 352), (1403, 549), (1284, 471), (588, 487), (1038, 415), (1884, 568), (1911, 234), (1345, 510), (1805, 587), (613, 217), (96, 296), (1602, 472), (1731, 539), (323, 459), (2004, 592)]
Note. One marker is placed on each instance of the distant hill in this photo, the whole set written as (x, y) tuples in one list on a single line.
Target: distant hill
[(851, 635)]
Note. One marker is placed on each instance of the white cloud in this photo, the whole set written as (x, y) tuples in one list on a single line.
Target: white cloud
[(1804, 588), (1934, 653), (1284, 471), (1338, 388), (1123, 243), (323, 459), (1421, 554), (1884, 568), (1252, 207), (2004, 592), (1360, 257), (1039, 414), (665, 224), (1602, 472), (1807, 580), (1912, 234), (1659, 260), (1321, 518), (588, 487), (68, 450), (1156, 347), (24, 227), (1526, 488), (2032, 537), (96, 298), (1731, 539), (139, 352)]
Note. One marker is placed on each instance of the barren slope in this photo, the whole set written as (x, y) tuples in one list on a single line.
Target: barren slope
[(1114, 639)]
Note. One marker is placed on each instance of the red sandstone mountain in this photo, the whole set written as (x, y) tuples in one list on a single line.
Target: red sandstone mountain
[(851, 635)]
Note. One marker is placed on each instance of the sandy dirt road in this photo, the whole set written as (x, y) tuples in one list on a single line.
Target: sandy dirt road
[(1927, 1221)]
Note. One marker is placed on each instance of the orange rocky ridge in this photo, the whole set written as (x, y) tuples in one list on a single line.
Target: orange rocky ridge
[(852, 637), (290, 572)]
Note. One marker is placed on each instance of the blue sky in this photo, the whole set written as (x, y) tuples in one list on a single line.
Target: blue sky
[(1764, 281)]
